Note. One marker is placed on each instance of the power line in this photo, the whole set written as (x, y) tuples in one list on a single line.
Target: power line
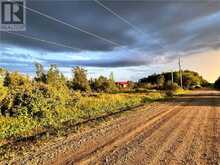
[(117, 15), (72, 26), (45, 41), (123, 19)]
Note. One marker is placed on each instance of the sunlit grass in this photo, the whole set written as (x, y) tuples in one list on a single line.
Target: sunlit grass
[(86, 107)]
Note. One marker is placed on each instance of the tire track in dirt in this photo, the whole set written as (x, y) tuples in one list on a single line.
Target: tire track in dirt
[(175, 141), (215, 158), (195, 152), (210, 153), (135, 147), (188, 136), (189, 153), (114, 135), (218, 132), (154, 123), (154, 146), (206, 146)]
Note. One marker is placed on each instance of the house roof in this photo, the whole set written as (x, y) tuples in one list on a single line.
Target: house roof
[(122, 82)]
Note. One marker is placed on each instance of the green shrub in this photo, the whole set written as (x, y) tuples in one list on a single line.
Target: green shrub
[(16, 127), (170, 93), (103, 84), (3, 93), (171, 86)]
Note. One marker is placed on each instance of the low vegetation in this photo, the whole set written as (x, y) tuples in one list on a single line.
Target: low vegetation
[(31, 106)]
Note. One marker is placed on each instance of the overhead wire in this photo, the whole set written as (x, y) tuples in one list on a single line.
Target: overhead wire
[(42, 40), (72, 26), (123, 19)]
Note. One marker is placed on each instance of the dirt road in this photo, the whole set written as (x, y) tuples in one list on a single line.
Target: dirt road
[(185, 130)]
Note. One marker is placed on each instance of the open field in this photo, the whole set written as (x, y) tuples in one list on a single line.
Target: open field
[(184, 130)]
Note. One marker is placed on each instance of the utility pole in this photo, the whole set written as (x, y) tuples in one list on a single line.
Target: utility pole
[(172, 76), (111, 77), (180, 72)]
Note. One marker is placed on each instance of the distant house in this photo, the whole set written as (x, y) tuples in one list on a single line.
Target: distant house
[(122, 84)]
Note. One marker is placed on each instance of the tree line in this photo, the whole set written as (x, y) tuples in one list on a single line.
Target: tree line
[(217, 83), (190, 79)]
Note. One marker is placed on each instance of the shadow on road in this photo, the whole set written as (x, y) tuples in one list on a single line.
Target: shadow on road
[(200, 98)]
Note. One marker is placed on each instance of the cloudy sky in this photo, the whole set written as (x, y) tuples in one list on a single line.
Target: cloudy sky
[(130, 38)]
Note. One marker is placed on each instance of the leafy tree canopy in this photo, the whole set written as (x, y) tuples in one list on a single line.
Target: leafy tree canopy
[(103, 84), (80, 81), (190, 78)]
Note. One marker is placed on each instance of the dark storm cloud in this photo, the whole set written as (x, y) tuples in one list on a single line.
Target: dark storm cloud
[(86, 15), (168, 27), (96, 63)]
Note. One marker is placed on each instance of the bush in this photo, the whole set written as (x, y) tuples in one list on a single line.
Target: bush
[(145, 86), (103, 84), (3, 93), (18, 88), (89, 107), (171, 86), (170, 93), (17, 127)]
